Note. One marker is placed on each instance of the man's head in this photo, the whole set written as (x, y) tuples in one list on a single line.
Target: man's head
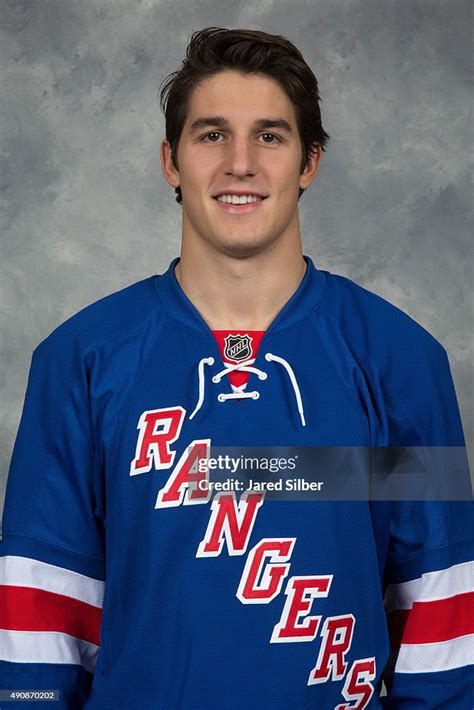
[(215, 49), (241, 77)]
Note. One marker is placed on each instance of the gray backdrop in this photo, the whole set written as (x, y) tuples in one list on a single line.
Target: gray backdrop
[(84, 207)]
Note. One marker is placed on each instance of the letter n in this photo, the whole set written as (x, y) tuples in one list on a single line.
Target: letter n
[(229, 522)]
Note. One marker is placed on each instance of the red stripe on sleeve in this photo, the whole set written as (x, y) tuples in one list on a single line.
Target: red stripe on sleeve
[(30, 609), (431, 622)]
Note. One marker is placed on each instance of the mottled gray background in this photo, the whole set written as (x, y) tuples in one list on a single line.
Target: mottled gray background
[(84, 207)]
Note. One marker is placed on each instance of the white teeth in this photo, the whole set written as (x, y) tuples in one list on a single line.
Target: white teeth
[(238, 200)]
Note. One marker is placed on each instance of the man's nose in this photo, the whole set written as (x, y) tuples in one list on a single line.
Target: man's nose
[(241, 157)]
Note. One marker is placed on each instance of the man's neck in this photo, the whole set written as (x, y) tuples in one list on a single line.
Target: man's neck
[(240, 293)]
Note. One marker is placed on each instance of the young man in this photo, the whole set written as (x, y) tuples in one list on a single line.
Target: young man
[(229, 598)]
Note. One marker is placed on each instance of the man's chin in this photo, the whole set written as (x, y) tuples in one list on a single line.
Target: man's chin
[(243, 248)]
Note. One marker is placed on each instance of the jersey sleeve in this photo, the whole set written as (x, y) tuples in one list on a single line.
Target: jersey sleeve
[(52, 553), (429, 573)]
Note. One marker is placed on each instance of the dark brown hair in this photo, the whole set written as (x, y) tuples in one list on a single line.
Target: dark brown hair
[(215, 49)]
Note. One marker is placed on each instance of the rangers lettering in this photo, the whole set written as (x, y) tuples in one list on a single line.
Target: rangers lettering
[(186, 477), (251, 591), (300, 592), (337, 639), (363, 670), (234, 523), (158, 429), (268, 562)]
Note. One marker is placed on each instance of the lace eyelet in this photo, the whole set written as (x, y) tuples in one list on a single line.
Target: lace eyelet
[(216, 379), (220, 398), (255, 395)]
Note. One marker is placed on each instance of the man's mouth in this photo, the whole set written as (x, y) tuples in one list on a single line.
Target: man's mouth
[(242, 204)]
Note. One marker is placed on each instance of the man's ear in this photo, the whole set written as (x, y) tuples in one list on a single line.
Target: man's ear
[(311, 168), (168, 168)]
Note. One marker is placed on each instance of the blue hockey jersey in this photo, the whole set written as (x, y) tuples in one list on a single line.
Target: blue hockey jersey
[(125, 584)]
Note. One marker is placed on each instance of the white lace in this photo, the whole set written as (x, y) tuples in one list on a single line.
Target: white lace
[(239, 392)]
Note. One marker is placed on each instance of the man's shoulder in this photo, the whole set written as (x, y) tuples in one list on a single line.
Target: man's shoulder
[(373, 323), (110, 317)]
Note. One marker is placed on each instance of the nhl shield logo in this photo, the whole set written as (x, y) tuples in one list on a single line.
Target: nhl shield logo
[(238, 347)]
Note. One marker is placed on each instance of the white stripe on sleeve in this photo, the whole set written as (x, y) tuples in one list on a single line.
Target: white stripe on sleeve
[(27, 572), (47, 647), (432, 657), (431, 586)]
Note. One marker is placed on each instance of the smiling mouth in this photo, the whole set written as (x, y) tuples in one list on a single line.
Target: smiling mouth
[(244, 208)]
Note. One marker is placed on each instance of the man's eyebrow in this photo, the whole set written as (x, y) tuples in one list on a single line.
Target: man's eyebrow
[(221, 122)]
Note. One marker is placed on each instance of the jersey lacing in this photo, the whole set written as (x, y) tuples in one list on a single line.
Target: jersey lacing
[(238, 391)]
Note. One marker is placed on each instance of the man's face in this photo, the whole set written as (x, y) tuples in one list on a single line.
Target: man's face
[(239, 156)]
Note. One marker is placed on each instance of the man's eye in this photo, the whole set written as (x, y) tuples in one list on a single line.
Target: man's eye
[(214, 133), (273, 136)]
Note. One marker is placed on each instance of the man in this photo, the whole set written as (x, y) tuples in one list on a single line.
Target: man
[(229, 598)]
